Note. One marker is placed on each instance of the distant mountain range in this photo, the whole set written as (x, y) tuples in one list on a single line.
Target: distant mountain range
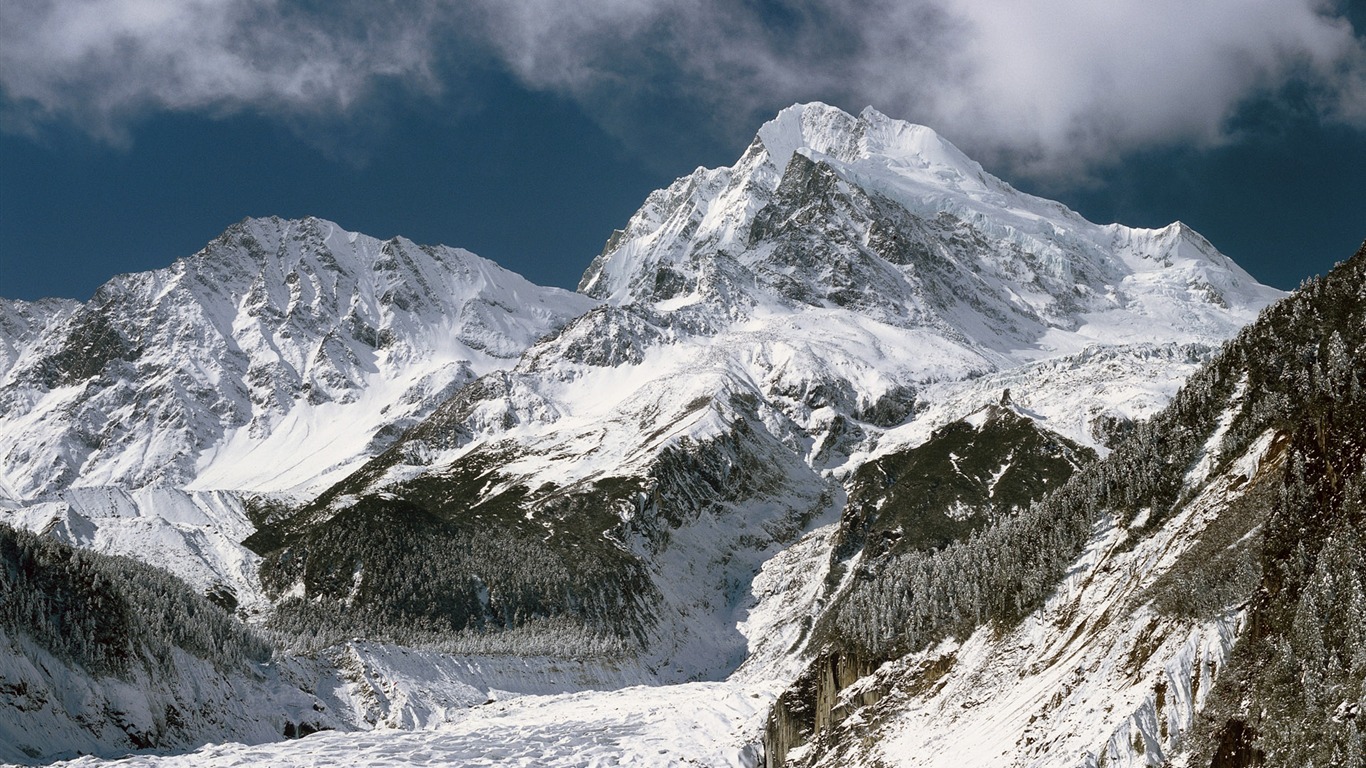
[(851, 426)]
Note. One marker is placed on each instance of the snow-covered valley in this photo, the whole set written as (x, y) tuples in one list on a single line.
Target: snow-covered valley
[(707, 724), (483, 522)]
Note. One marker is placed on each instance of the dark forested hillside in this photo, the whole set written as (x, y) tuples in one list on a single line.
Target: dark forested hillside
[(110, 614), (471, 551), (103, 655), (959, 480), (430, 558)]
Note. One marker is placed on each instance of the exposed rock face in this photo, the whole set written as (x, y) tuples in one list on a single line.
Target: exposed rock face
[(849, 286), (233, 368), (812, 707)]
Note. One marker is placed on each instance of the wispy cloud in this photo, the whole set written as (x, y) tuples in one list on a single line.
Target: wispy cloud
[(1054, 86), (1067, 83), (102, 63)]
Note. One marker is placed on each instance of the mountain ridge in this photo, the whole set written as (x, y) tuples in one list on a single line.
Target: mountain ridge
[(763, 331), (820, 228), (237, 345), (676, 478)]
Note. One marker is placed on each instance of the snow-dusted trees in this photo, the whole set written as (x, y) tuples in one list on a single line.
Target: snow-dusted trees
[(1294, 693), (904, 602), (423, 565), (1296, 688), (109, 614)]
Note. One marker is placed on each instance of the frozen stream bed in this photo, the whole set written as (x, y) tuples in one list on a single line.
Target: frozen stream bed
[(711, 724)]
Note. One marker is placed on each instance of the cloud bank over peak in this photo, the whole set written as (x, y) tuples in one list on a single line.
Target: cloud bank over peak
[(1056, 88)]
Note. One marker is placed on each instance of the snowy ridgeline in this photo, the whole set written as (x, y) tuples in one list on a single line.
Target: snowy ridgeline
[(276, 359), (417, 445)]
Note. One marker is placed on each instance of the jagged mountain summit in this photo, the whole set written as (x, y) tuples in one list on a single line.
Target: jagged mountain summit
[(782, 383), (850, 286), (826, 209), (832, 230), (278, 356)]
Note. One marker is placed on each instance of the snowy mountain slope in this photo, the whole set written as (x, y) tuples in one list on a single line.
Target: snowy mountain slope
[(515, 710), (767, 327), (196, 535), (147, 421), (104, 654), (1098, 676), (657, 487), (889, 219), (56, 709), (1193, 599), (906, 270), (279, 356), (23, 322), (676, 527)]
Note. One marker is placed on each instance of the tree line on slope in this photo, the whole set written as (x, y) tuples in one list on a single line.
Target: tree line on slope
[(905, 602), (467, 552), (1293, 692), (438, 562), (110, 615), (392, 571), (1297, 675)]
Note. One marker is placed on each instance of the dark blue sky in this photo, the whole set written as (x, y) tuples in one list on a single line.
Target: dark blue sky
[(533, 161), (525, 180)]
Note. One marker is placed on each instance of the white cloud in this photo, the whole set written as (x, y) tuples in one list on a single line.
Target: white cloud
[(1073, 81), (1054, 86), (102, 62)]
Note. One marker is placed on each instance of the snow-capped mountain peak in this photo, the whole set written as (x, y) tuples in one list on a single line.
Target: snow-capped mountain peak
[(280, 353), (820, 131), (888, 218), (854, 344)]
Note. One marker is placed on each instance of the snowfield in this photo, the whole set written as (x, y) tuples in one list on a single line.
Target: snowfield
[(703, 724)]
